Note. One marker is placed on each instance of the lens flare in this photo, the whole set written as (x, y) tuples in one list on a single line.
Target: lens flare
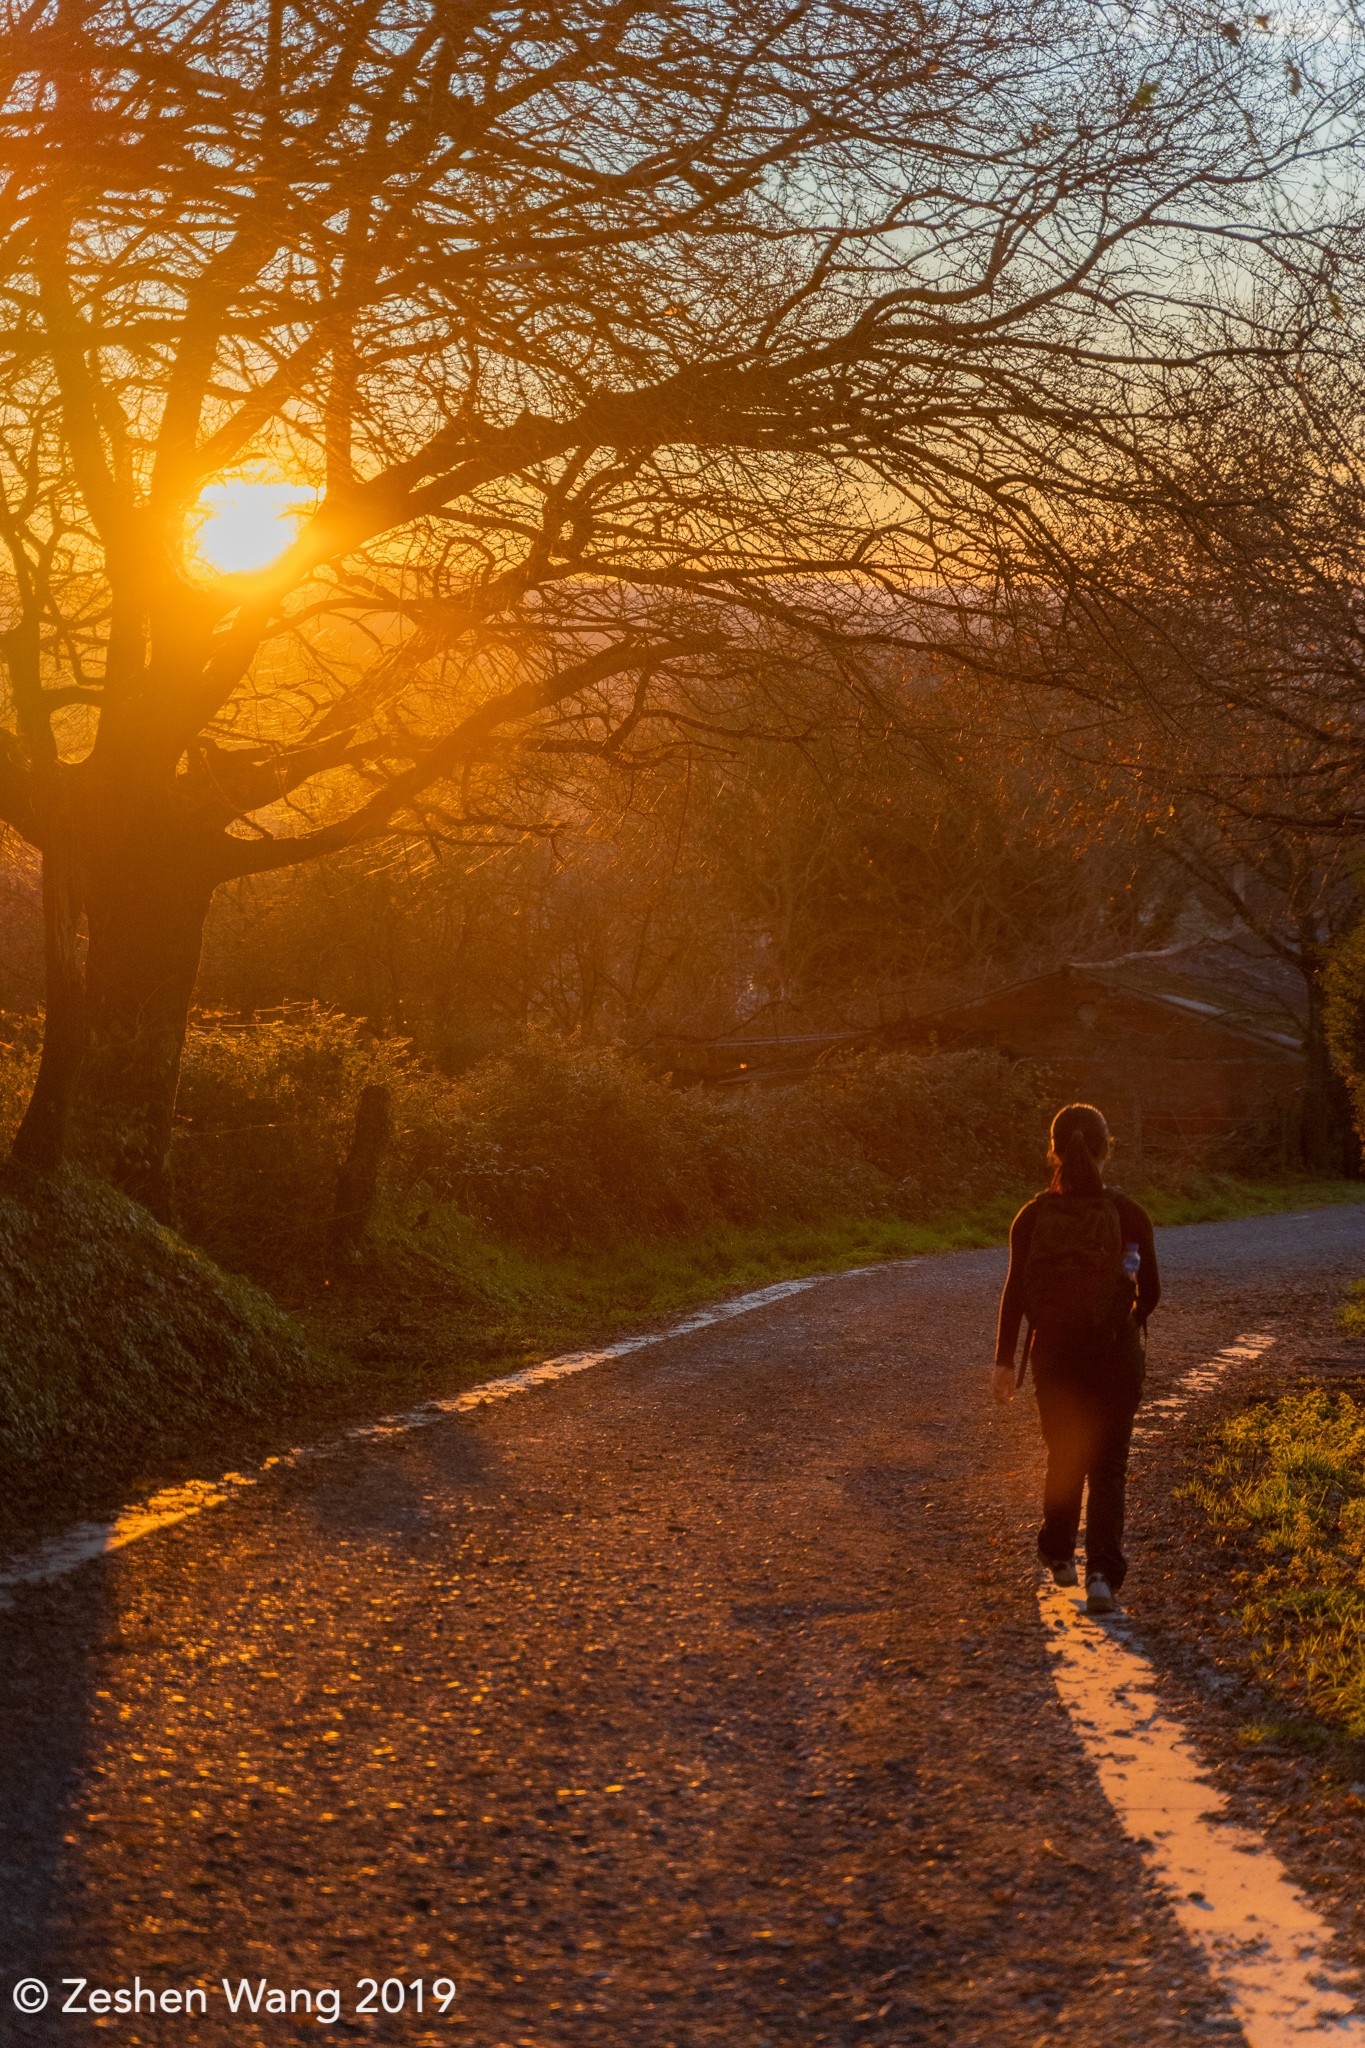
[(246, 526)]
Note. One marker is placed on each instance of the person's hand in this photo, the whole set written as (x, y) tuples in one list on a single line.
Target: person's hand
[(1002, 1384)]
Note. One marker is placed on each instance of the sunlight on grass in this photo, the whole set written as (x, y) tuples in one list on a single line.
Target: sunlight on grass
[(569, 1297), (1283, 1734), (1352, 1316), (1223, 1198), (522, 1298), (1287, 1479)]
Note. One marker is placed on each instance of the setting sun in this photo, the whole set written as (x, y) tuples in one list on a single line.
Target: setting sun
[(247, 525)]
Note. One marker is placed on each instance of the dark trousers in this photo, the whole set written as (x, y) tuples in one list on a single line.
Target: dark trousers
[(1087, 1426)]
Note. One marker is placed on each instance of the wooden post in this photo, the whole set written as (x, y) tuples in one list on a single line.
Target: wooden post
[(358, 1180)]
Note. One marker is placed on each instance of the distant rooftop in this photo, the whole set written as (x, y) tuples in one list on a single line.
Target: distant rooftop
[(1244, 986)]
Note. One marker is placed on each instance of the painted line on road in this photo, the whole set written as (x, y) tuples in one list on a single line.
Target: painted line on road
[(84, 1541), (1264, 1942)]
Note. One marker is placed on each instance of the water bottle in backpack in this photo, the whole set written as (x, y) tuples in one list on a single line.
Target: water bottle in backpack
[(1132, 1266)]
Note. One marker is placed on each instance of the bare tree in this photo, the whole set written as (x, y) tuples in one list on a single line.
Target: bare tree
[(599, 339), (1293, 894), (1208, 663)]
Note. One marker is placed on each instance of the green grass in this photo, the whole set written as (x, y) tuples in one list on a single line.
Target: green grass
[(1285, 1483), (554, 1299), (130, 1359), (476, 1303), (1352, 1316), (1222, 1198), (564, 1297), (123, 1349), (1284, 1734)]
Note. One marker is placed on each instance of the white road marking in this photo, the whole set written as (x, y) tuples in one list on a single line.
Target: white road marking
[(1230, 1893), (84, 1541), (1199, 1379), (1266, 1945)]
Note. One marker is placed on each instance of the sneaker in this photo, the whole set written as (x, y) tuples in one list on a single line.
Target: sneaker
[(1099, 1595), (1063, 1570)]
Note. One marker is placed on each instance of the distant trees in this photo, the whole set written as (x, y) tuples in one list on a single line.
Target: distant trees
[(1218, 642), (1295, 894), (877, 864), (609, 345)]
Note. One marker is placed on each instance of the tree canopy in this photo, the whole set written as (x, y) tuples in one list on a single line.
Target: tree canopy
[(606, 346)]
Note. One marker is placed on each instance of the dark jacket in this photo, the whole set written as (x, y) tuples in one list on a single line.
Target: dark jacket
[(1137, 1229)]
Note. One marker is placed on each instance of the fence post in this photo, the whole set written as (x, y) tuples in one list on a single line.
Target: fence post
[(358, 1180)]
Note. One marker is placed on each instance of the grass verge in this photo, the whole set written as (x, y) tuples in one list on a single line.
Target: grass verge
[(1352, 1317), (449, 1301), (122, 1349), (581, 1294), (1223, 1198), (127, 1359), (1284, 1485), (560, 1298)]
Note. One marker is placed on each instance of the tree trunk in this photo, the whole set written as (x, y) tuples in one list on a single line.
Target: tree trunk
[(40, 1141), (146, 920), (1327, 1138)]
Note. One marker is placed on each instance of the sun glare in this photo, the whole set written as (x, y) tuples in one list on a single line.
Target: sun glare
[(246, 525)]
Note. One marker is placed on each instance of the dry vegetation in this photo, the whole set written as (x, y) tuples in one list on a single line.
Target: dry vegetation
[(560, 1148)]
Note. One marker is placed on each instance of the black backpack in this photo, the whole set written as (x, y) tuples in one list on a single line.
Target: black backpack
[(1076, 1293)]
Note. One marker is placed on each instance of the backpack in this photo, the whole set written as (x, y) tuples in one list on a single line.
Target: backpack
[(1076, 1293)]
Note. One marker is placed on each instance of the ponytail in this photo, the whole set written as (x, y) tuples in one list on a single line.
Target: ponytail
[(1079, 1148)]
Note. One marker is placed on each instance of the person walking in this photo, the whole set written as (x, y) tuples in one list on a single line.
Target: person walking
[(1083, 1275)]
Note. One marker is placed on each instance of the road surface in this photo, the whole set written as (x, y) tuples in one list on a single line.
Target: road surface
[(699, 1699)]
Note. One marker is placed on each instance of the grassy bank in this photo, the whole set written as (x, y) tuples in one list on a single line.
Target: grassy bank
[(1284, 1486), (550, 1198), (125, 1352), (1352, 1316), (552, 1299), (129, 1359), (448, 1300), (1222, 1198)]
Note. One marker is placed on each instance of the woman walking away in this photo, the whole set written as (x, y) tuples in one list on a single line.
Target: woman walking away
[(1083, 1274)]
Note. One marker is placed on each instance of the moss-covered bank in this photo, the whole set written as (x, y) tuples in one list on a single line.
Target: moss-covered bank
[(128, 1358), (122, 1349)]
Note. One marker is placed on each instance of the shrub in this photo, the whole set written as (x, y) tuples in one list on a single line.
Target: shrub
[(570, 1147), (944, 1128), (263, 1119), (776, 1155), (567, 1145), (564, 1147)]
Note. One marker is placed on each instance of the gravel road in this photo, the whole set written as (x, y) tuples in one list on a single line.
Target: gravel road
[(700, 1699)]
